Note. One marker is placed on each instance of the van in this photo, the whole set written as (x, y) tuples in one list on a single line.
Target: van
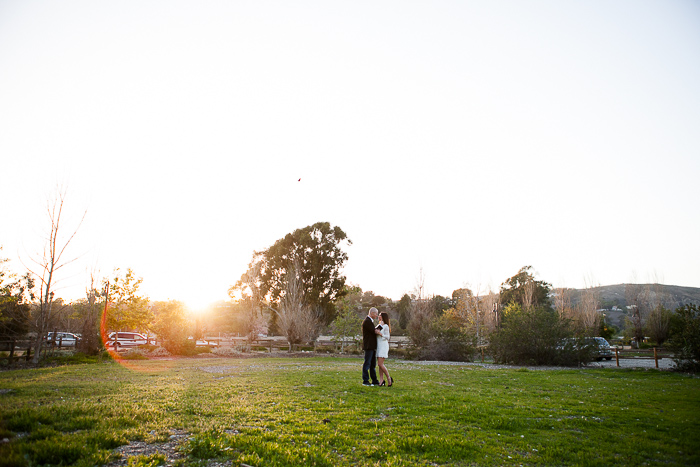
[(118, 340)]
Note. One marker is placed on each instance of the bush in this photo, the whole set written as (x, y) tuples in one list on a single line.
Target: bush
[(135, 354), (536, 337), (226, 351), (159, 352), (685, 338), (449, 344)]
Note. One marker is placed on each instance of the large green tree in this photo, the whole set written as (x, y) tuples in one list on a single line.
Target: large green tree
[(523, 289), (316, 250)]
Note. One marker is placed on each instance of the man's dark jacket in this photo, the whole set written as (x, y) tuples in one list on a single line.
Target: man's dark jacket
[(369, 338)]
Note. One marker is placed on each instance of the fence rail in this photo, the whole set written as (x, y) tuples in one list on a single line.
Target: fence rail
[(17, 350)]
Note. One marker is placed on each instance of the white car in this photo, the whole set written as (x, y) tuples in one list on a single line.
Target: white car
[(204, 342), (64, 339), (118, 340)]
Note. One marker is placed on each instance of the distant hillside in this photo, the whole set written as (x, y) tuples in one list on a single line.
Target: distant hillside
[(611, 296)]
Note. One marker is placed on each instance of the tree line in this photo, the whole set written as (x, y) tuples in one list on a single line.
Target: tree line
[(295, 288)]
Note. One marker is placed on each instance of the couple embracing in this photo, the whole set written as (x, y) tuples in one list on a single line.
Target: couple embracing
[(375, 342)]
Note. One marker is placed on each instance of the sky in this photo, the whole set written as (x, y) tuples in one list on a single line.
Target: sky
[(463, 139)]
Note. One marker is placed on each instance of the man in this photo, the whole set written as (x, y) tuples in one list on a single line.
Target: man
[(369, 345)]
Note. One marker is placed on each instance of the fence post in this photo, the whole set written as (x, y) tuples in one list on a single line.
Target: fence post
[(617, 357), (656, 358), (482, 355)]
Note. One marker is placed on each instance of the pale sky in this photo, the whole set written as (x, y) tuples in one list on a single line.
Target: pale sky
[(466, 138)]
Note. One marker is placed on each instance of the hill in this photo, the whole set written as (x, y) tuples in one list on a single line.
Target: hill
[(615, 298)]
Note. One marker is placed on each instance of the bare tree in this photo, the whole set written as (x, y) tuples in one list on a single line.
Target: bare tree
[(562, 302), (252, 320), (422, 315), (295, 318), (529, 294), (49, 264), (475, 311), (587, 311)]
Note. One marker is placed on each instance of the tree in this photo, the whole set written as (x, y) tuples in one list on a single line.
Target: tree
[(89, 311), (440, 304), (474, 311), (404, 309), (171, 325), (345, 326), (562, 302), (449, 341), (587, 316), (15, 298), (659, 324), (524, 290), (128, 310), (534, 336), (251, 319), (317, 251), (685, 338), (641, 300), (420, 328), (49, 264), (295, 319)]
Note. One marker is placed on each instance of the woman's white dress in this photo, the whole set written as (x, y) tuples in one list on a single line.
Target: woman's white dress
[(383, 342)]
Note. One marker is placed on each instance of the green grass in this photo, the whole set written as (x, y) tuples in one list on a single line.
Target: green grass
[(314, 411)]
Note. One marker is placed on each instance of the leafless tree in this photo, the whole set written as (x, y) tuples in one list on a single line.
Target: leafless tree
[(587, 311), (529, 294), (562, 302), (476, 311), (252, 321), (422, 314), (49, 264), (642, 299), (295, 318)]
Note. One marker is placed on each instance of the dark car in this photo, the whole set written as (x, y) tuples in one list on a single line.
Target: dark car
[(601, 348)]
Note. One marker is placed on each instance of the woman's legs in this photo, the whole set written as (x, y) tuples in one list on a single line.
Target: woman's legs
[(382, 370)]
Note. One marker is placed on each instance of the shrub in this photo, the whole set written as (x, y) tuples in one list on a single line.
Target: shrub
[(535, 336), (226, 351), (135, 354), (159, 352), (448, 344), (685, 338)]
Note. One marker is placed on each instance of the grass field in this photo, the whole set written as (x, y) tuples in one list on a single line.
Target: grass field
[(314, 411)]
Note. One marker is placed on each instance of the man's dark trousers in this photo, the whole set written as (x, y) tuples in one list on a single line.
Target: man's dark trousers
[(369, 369)]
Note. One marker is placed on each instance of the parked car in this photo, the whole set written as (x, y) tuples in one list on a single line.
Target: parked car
[(598, 346), (119, 340), (64, 339), (601, 348), (204, 342)]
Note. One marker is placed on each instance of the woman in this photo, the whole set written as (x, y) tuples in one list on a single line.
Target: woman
[(383, 348)]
